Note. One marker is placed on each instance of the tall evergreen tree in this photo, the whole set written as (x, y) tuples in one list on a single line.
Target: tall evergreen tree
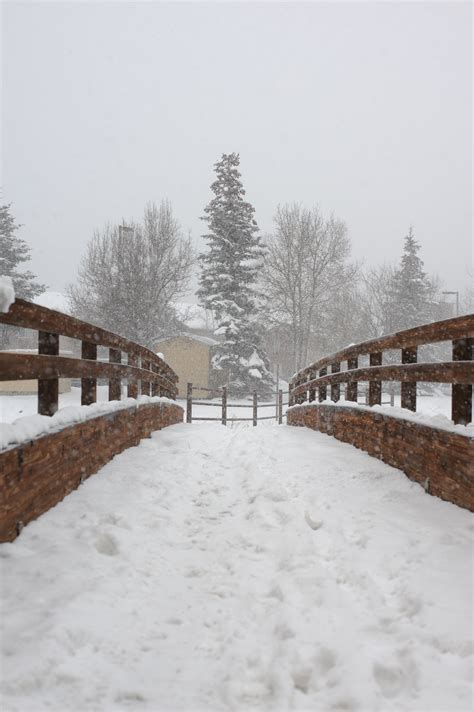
[(412, 290), (228, 282), (14, 251)]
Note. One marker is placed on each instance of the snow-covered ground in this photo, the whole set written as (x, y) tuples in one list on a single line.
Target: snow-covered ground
[(243, 568)]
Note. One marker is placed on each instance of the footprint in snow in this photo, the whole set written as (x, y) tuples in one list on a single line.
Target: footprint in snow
[(312, 523), (106, 544)]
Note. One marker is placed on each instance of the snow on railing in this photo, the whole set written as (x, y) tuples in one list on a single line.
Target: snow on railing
[(144, 371), (459, 372)]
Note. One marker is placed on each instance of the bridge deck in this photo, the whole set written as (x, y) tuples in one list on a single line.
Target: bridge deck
[(214, 568)]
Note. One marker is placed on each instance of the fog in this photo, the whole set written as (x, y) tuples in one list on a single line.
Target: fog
[(361, 108)]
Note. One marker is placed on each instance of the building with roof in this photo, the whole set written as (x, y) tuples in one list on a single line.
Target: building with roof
[(189, 355)]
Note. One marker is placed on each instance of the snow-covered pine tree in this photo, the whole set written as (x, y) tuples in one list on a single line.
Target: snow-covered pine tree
[(14, 251), (228, 282), (412, 290)]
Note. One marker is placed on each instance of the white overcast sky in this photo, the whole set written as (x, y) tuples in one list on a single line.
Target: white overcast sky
[(362, 108)]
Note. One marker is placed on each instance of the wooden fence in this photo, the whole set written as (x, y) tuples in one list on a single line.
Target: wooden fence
[(143, 370), (224, 405), (459, 372)]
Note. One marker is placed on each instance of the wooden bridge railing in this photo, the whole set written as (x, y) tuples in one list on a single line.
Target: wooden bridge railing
[(459, 372), (142, 366)]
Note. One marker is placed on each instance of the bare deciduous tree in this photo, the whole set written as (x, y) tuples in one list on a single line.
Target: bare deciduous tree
[(130, 278), (307, 264)]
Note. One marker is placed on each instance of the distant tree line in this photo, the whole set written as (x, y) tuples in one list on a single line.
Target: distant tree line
[(319, 301), (286, 298)]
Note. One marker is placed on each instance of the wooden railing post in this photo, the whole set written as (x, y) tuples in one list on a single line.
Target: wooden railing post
[(224, 405), (88, 385), (335, 387), (145, 385), (323, 390), (255, 408), (155, 387), (375, 387), (48, 388), (115, 384), (280, 407), (461, 399), (300, 398), (312, 391), (408, 388), (351, 389), (189, 403), (132, 386)]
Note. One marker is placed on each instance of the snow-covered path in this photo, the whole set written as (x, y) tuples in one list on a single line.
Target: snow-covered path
[(214, 568)]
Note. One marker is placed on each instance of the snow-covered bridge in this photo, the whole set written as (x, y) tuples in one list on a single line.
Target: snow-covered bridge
[(219, 568), (208, 568)]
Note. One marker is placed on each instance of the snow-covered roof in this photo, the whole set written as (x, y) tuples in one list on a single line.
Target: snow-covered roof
[(195, 337), (54, 300)]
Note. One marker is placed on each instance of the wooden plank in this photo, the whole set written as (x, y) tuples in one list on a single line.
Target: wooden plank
[(132, 386), (375, 385), (34, 316), (155, 387), (461, 398), (335, 387), (322, 390), (15, 367), (189, 403), (115, 384), (351, 391), (443, 372), (145, 383), (88, 385), (408, 388), (48, 388), (446, 330)]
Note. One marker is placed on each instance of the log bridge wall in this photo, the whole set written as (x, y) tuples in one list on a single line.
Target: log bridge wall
[(441, 460), (37, 474)]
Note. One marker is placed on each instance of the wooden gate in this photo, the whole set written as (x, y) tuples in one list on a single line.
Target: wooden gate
[(278, 405)]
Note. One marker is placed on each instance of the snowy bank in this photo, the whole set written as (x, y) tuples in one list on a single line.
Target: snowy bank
[(433, 421), (31, 427)]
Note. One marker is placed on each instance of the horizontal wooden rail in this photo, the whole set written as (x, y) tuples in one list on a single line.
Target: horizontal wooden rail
[(459, 372), (453, 372), (17, 367), (33, 316), (448, 330), (144, 369)]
